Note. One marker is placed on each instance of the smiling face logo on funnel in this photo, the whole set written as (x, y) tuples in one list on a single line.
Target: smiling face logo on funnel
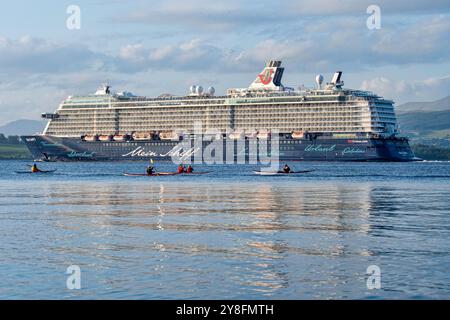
[(266, 76)]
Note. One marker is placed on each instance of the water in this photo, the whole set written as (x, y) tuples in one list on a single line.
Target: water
[(226, 235)]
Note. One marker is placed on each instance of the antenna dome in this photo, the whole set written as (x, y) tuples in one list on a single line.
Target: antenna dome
[(211, 90), (319, 80)]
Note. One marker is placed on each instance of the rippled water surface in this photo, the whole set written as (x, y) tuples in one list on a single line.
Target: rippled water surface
[(226, 235)]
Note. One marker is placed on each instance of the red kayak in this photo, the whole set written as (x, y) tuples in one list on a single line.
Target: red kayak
[(160, 174), (199, 172)]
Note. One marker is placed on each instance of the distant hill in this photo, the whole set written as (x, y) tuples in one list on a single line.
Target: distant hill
[(438, 105), (22, 127), (427, 123), (424, 121)]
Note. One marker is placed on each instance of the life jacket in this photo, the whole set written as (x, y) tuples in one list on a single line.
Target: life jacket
[(180, 169), (34, 169), (189, 169)]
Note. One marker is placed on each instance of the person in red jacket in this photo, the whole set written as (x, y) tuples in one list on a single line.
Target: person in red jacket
[(181, 168), (189, 169)]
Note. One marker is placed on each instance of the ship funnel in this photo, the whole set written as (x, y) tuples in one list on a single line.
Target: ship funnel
[(269, 78), (336, 81)]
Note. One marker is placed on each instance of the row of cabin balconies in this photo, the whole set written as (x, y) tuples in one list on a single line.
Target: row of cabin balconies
[(262, 104), (108, 129)]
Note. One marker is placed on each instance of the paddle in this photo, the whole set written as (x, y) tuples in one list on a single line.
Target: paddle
[(154, 170)]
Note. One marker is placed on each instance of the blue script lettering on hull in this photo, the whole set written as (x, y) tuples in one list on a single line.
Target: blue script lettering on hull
[(84, 154), (319, 148), (351, 150)]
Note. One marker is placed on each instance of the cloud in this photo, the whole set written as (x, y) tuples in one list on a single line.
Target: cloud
[(204, 15), (426, 41), (189, 55), (352, 7), (31, 55), (341, 44), (208, 16), (406, 90), (28, 54)]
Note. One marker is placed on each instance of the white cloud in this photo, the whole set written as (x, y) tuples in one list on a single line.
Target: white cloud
[(188, 55), (29, 54), (409, 90), (343, 43), (427, 40)]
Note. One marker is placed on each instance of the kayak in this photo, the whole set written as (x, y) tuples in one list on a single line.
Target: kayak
[(279, 173), (160, 174), (40, 171), (149, 175), (199, 172)]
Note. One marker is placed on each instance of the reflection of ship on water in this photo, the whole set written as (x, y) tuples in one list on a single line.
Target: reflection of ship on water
[(263, 231), (300, 222)]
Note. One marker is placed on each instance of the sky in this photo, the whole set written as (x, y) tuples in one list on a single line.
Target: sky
[(150, 48)]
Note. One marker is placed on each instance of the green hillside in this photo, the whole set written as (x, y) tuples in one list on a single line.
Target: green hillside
[(426, 123), (421, 122), (428, 152), (14, 151)]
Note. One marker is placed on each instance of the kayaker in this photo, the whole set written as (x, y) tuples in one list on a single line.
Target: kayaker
[(34, 168), (150, 170), (181, 169), (189, 169), (286, 169)]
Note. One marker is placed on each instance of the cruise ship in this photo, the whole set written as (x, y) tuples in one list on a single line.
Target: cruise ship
[(324, 123)]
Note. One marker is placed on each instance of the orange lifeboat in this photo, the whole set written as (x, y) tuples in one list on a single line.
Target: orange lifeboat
[(105, 137), (90, 137), (142, 136), (298, 135), (169, 135), (119, 137)]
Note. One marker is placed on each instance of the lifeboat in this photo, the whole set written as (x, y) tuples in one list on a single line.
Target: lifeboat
[(142, 136), (169, 135), (105, 137), (264, 134), (298, 134), (119, 137), (90, 137), (236, 135), (251, 134)]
